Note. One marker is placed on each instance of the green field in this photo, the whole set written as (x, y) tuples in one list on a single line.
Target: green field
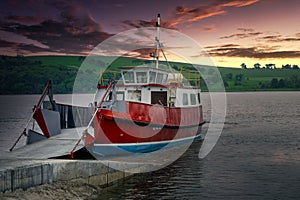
[(260, 79), (28, 75)]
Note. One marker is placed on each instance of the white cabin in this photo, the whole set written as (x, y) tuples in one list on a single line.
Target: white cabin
[(150, 85)]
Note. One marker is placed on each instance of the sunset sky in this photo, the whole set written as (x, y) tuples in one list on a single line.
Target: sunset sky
[(231, 31)]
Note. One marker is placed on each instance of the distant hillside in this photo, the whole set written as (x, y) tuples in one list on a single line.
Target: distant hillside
[(28, 75), (260, 79)]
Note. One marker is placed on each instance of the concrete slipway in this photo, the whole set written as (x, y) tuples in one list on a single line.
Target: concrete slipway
[(29, 165)]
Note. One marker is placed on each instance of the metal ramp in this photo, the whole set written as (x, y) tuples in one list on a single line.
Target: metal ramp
[(55, 146)]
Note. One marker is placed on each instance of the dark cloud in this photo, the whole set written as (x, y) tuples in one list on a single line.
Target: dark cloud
[(152, 23), (75, 33), (30, 49), (139, 23), (246, 29), (222, 46), (259, 51), (246, 33), (251, 33), (4, 43), (280, 38), (270, 37), (23, 19), (250, 52), (78, 20), (181, 10), (215, 7), (184, 14)]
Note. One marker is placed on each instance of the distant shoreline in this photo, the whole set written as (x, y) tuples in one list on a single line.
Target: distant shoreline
[(253, 91), (28, 75)]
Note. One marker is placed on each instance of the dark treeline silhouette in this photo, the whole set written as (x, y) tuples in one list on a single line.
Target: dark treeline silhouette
[(269, 66), (21, 75), (293, 82)]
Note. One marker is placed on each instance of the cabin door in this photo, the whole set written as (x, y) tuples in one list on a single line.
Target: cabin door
[(159, 97)]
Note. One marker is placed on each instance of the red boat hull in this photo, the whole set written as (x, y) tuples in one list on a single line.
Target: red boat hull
[(143, 123)]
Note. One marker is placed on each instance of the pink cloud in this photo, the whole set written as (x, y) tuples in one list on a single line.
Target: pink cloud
[(216, 7)]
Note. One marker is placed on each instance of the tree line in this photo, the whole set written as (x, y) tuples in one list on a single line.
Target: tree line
[(292, 82), (269, 66), (20, 75)]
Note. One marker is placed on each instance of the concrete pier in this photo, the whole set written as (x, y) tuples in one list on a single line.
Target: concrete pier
[(15, 174), (29, 165)]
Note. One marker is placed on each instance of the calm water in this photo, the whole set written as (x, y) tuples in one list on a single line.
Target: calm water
[(257, 156)]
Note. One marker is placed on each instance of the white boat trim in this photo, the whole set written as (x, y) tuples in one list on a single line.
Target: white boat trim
[(148, 143)]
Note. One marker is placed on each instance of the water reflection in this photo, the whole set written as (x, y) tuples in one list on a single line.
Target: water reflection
[(257, 156)]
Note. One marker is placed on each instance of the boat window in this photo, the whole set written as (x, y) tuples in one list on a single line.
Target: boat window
[(109, 96), (128, 77), (165, 78), (159, 78), (134, 95), (141, 77), (199, 100), (152, 76), (185, 99), (193, 99), (120, 96)]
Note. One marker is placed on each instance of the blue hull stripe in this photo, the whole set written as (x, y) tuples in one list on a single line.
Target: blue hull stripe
[(119, 149)]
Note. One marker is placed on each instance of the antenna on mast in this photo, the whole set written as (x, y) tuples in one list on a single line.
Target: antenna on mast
[(157, 39)]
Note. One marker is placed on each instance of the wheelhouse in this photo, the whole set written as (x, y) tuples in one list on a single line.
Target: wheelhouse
[(150, 85), (143, 75)]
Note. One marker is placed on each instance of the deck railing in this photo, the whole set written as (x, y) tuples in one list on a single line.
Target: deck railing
[(191, 77), (107, 75)]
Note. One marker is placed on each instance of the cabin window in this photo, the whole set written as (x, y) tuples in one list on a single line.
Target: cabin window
[(165, 78), (120, 96), (199, 101), (109, 96), (134, 95), (128, 77), (152, 76), (159, 78), (193, 99), (185, 99), (141, 77)]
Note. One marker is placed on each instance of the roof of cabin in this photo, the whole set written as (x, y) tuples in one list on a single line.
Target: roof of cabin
[(142, 67)]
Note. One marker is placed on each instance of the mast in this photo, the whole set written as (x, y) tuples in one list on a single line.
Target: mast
[(157, 38)]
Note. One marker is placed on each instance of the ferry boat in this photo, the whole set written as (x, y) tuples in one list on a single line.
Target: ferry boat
[(147, 109)]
